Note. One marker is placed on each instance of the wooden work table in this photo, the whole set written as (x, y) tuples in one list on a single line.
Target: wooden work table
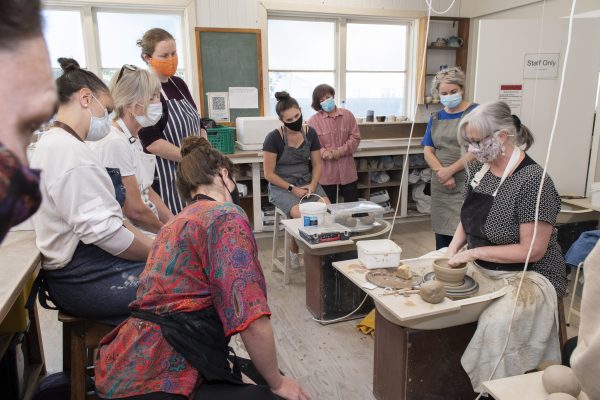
[(329, 294), (19, 260)]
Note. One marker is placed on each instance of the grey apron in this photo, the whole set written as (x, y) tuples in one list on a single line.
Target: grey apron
[(446, 203), (293, 166), (183, 121)]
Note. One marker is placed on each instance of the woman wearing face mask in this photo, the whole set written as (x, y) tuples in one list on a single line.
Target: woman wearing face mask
[(202, 284), (339, 138), (91, 257), (136, 97), (180, 115), (443, 154), (289, 154), (497, 225)]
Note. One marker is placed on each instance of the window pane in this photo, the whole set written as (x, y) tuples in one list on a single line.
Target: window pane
[(376, 47), (381, 92), (63, 33), (118, 33), (301, 45), (299, 85)]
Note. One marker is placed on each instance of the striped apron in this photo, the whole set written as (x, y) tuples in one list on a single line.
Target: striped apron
[(183, 121)]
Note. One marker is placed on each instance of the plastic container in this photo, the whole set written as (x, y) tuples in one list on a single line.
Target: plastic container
[(222, 138), (381, 253), (595, 193), (313, 213)]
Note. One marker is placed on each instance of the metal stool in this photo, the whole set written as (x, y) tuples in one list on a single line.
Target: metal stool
[(80, 338), (281, 263), (573, 310)]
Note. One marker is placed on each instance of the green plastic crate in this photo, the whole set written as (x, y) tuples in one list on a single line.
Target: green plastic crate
[(222, 138)]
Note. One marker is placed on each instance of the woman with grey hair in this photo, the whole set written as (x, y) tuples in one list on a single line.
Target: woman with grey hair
[(443, 154), (497, 225)]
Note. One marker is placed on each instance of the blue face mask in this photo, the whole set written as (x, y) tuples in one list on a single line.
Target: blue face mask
[(328, 104), (451, 100)]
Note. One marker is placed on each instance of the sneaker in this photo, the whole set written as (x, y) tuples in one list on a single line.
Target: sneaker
[(295, 260)]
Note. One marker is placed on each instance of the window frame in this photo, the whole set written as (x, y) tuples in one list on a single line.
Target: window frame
[(340, 71)]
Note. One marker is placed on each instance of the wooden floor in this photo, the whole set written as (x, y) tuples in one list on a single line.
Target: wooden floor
[(333, 361)]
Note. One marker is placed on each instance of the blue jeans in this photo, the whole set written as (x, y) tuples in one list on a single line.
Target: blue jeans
[(95, 284), (442, 241)]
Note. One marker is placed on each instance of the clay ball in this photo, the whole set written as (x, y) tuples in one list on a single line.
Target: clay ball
[(560, 396), (560, 379), (432, 292), (367, 220)]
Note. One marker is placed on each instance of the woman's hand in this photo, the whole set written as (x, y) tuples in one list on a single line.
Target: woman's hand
[(289, 389), (444, 174), (327, 155), (310, 188), (335, 154), (462, 257), (299, 192), (450, 183)]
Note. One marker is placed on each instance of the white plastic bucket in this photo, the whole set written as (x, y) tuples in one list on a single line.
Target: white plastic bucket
[(313, 213), (595, 193)]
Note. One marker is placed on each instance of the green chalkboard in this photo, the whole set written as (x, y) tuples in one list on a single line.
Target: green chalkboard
[(229, 58)]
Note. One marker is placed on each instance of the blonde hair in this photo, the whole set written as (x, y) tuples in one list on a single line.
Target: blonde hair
[(452, 75), (133, 87)]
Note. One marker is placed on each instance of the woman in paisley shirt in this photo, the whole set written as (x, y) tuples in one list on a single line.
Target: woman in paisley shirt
[(202, 268)]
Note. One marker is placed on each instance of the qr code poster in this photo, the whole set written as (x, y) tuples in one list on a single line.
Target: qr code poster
[(218, 106)]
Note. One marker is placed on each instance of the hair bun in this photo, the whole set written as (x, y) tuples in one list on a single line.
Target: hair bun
[(280, 96), (68, 64), (192, 143)]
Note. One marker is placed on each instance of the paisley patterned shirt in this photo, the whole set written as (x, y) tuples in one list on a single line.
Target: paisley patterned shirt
[(206, 256)]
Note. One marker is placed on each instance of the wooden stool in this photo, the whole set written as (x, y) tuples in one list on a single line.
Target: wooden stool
[(562, 325), (80, 338), (572, 309), (279, 262)]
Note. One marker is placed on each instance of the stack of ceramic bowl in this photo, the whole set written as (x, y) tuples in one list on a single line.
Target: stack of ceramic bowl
[(456, 281)]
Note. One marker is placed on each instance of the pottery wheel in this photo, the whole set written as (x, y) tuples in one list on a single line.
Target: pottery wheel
[(387, 277), (468, 287)]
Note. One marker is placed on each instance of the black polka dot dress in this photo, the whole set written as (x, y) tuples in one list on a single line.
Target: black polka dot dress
[(514, 205)]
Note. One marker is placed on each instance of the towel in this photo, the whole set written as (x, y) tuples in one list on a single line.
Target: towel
[(582, 247), (367, 325)]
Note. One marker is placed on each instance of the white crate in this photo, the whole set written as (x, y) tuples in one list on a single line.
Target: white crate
[(381, 253)]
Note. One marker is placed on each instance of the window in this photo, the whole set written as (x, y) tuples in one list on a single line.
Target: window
[(376, 68), (118, 33), (298, 66), (64, 35), (105, 39), (370, 73)]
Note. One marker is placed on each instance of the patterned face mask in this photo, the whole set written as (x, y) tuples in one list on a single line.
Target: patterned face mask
[(486, 150)]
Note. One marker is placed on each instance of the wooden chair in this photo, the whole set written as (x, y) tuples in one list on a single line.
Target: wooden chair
[(281, 263), (81, 338)]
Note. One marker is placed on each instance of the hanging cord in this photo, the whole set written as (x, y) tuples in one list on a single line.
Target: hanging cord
[(345, 316), (421, 78), (539, 194), (439, 12)]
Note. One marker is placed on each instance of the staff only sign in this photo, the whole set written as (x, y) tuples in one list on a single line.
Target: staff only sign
[(541, 66)]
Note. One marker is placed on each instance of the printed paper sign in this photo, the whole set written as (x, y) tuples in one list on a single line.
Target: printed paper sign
[(513, 96), (218, 106), (541, 66)]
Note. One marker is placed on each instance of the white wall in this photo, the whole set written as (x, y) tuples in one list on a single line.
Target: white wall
[(500, 58)]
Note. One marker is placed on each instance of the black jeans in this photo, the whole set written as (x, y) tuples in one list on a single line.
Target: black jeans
[(215, 392), (348, 191), (442, 241)]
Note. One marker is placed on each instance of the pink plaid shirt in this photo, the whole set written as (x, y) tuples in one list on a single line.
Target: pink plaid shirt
[(337, 132)]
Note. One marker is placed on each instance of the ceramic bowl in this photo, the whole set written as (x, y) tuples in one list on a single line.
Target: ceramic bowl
[(380, 118), (450, 276)]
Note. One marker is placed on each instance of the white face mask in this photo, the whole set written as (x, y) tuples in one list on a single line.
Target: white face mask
[(152, 116), (99, 126)]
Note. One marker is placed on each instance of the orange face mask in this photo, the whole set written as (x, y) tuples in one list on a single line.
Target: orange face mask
[(166, 67)]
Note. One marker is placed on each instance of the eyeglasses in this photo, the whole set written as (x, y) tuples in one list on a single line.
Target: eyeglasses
[(127, 67)]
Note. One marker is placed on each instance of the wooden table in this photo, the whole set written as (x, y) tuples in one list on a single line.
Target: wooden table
[(19, 260), (528, 386), (415, 364), (329, 294)]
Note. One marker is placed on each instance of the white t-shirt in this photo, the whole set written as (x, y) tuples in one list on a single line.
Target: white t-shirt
[(78, 201), (119, 149)]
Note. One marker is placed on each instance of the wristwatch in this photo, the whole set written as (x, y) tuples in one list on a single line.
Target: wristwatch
[(290, 188)]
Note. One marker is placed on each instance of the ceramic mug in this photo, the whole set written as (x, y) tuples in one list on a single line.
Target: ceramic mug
[(390, 118)]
